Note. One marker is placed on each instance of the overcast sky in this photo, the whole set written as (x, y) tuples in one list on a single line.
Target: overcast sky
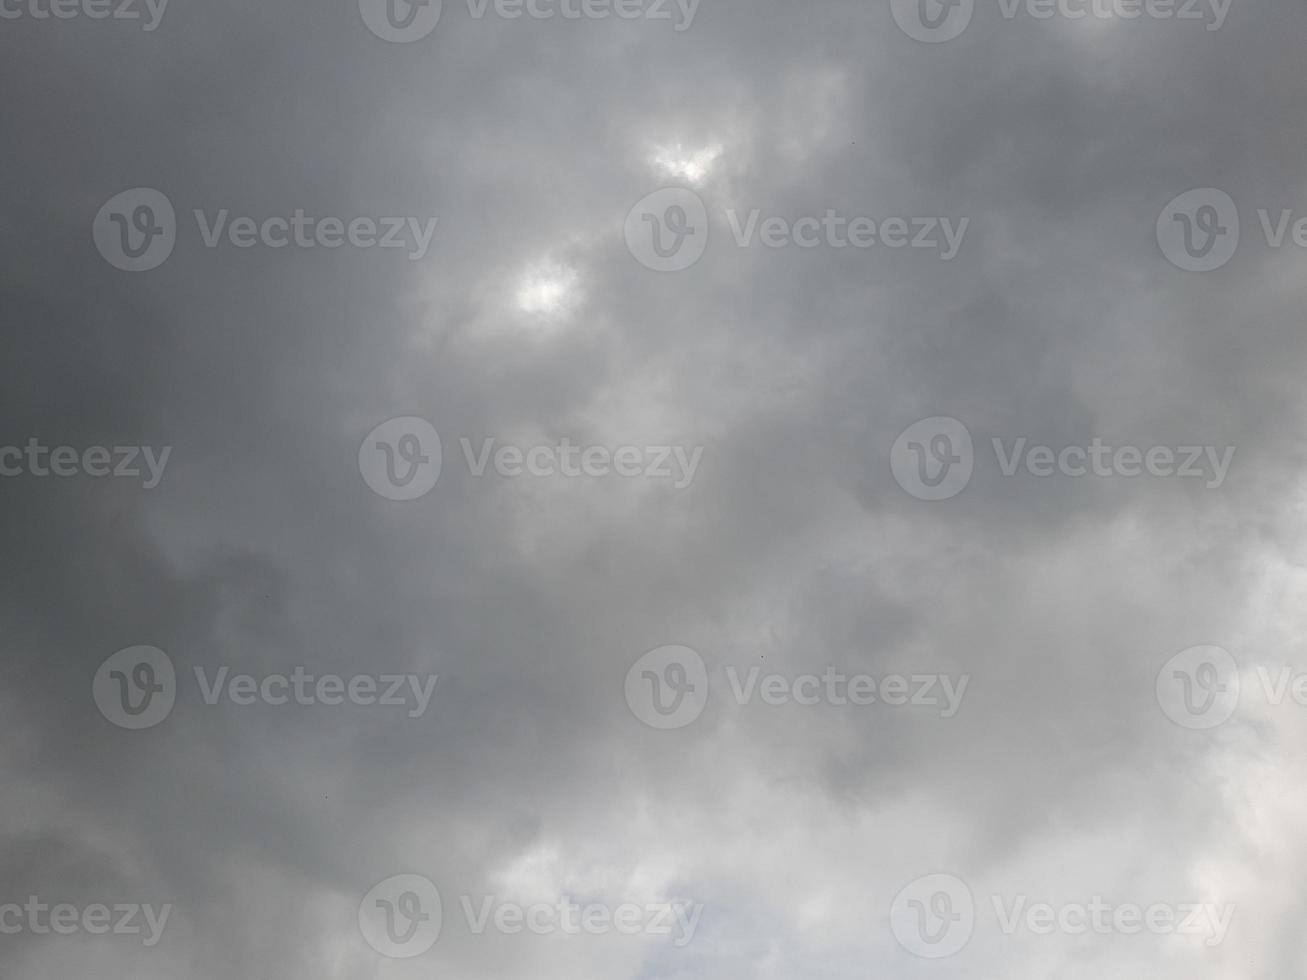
[(767, 569)]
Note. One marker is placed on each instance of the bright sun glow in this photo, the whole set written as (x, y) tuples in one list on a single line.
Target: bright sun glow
[(547, 290), (691, 165)]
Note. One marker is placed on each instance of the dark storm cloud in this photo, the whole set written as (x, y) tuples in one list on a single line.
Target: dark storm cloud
[(794, 549)]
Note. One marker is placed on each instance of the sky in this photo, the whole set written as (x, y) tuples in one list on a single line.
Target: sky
[(654, 490)]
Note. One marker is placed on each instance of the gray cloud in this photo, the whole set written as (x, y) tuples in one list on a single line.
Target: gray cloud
[(794, 549)]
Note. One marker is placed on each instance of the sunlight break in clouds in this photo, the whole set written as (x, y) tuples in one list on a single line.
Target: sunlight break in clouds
[(690, 165), (548, 290)]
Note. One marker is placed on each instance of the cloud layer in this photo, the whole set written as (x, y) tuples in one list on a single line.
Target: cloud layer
[(799, 546)]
